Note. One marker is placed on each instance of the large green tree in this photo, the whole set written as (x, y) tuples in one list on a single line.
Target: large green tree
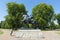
[(15, 12), (43, 13)]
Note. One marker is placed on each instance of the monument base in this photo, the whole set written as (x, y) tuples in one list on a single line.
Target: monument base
[(31, 34)]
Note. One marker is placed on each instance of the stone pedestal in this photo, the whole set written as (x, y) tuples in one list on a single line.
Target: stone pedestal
[(29, 34)]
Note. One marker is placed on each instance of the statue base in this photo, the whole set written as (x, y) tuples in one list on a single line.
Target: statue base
[(29, 34)]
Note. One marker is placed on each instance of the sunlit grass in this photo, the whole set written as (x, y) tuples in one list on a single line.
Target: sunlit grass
[(58, 32), (1, 32)]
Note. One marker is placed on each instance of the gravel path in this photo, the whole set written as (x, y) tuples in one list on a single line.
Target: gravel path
[(49, 35)]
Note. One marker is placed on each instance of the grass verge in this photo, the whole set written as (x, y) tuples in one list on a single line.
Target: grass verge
[(1, 32), (58, 32)]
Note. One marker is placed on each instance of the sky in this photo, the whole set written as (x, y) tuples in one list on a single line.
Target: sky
[(29, 4)]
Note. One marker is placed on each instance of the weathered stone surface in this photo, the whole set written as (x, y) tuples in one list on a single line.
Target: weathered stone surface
[(29, 34)]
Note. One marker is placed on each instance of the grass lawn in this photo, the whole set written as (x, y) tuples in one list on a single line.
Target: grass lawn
[(58, 32), (1, 32)]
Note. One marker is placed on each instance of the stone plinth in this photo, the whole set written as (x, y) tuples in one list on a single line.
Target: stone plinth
[(29, 34)]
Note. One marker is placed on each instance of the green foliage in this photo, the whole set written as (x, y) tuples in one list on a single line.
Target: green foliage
[(5, 25), (57, 26), (52, 26), (14, 17), (15, 12), (43, 13), (58, 18), (16, 9), (30, 26), (0, 25)]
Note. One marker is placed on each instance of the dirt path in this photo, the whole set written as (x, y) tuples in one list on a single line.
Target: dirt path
[(49, 35), (5, 35)]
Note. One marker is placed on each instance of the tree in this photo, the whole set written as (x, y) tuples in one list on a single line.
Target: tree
[(43, 13), (0, 25), (15, 12), (58, 18), (5, 25), (52, 25)]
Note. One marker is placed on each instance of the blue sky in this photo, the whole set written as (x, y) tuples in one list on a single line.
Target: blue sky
[(29, 4)]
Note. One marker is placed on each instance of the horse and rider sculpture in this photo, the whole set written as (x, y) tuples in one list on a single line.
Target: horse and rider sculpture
[(27, 20)]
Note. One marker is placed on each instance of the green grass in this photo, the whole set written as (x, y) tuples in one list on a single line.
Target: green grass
[(1, 32), (58, 32)]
